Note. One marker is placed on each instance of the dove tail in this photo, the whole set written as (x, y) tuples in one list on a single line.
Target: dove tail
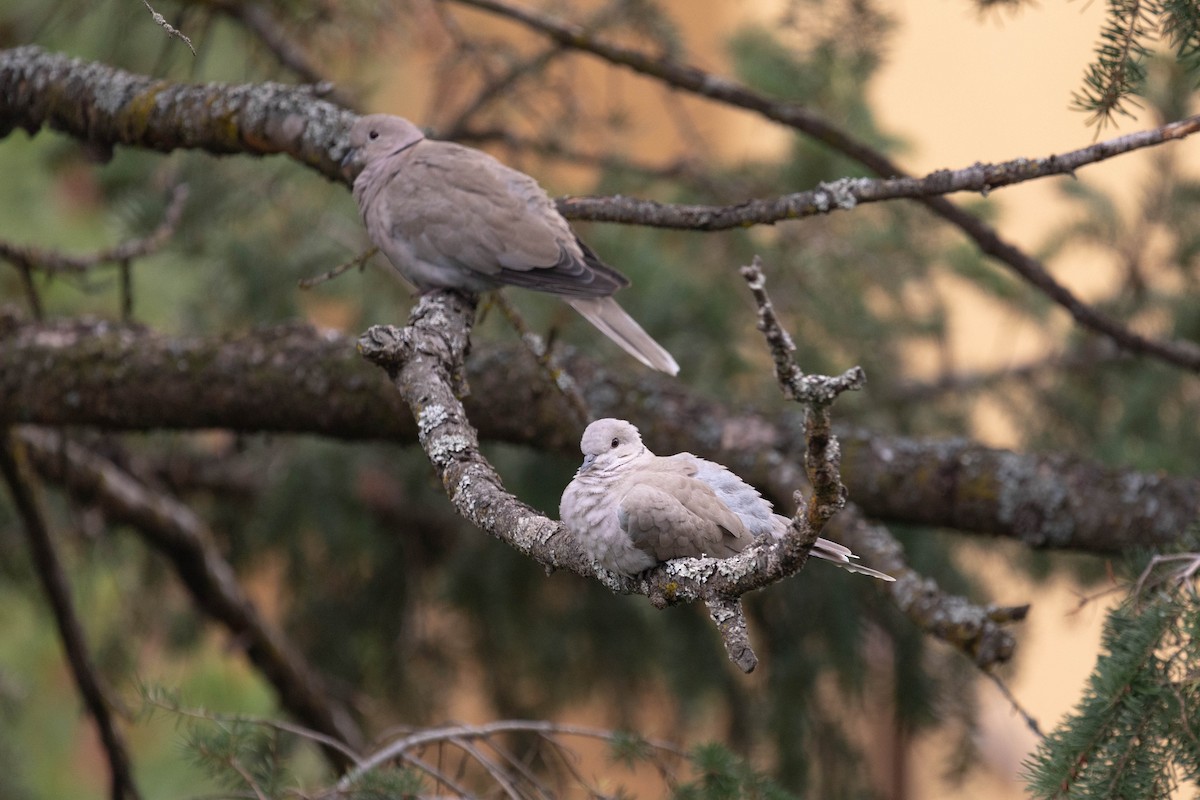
[(842, 557), (613, 322)]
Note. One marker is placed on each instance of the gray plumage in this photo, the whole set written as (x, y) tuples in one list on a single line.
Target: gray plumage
[(632, 509), (451, 217)]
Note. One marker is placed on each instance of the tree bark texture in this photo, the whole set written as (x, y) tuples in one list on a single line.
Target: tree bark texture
[(293, 379)]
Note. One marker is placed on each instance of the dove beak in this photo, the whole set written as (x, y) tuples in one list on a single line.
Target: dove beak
[(349, 160), (588, 461)]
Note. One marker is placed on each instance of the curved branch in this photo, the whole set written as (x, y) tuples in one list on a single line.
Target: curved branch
[(55, 262), (58, 592), (293, 379), (1177, 351), (182, 537)]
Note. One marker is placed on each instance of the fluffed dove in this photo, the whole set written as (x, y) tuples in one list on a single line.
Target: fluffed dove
[(451, 217), (632, 509)]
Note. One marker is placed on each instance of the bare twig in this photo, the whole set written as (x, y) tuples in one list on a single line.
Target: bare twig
[(358, 261), (816, 391), (58, 592), (54, 262), (161, 21), (463, 733), (1030, 721), (555, 374)]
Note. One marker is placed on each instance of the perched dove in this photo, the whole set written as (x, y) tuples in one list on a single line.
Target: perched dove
[(451, 217), (632, 509)]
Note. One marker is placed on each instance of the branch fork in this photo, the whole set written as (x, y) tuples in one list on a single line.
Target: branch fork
[(425, 362)]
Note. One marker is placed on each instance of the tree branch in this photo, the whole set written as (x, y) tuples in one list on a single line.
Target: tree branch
[(296, 380), (52, 261), (176, 532), (104, 107), (424, 361), (848, 193), (58, 591), (1179, 352), (259, 20)]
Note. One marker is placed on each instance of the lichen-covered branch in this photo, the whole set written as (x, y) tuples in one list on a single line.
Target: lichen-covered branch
[(105, 107), (425, 362), (1180, 352), (177, 533), (293, 379), (977, 631)]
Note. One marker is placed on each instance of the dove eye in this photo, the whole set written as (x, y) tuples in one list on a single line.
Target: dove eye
[(615, 442), (373, 135)]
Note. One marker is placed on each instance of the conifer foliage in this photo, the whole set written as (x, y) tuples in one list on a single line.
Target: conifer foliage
[(1136, 733)]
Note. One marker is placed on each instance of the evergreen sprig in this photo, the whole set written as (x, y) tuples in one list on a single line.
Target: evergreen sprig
[(1136, 733), (1131, 29)]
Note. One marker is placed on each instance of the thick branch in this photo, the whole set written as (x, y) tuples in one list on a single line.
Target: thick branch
[(424, 361), (58, 592), (296, 380), (105, 107), (183, 538)]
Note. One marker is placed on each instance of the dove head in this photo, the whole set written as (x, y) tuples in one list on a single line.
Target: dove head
[(609, 444), (377, 136)]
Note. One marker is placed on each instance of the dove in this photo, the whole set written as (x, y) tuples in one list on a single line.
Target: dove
[(631, 509), (452, 217)]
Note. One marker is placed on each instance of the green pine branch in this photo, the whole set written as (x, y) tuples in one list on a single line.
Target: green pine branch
[(1131, 30), (1136, 733)]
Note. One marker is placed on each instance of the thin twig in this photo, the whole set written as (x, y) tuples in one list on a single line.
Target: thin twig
[(358, 261), (555, 373), (286, 727), (422, 738), (58, 592), (161, 21), (1030, 722), (54, 262)]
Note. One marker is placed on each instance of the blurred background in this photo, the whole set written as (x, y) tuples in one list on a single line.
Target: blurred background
[(418, 618)]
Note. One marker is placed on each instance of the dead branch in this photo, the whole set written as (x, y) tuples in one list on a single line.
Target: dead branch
[(58, 591), (54, 262), (175, 531)]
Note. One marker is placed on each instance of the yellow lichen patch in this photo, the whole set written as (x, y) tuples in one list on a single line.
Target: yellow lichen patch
[(135, 118)]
